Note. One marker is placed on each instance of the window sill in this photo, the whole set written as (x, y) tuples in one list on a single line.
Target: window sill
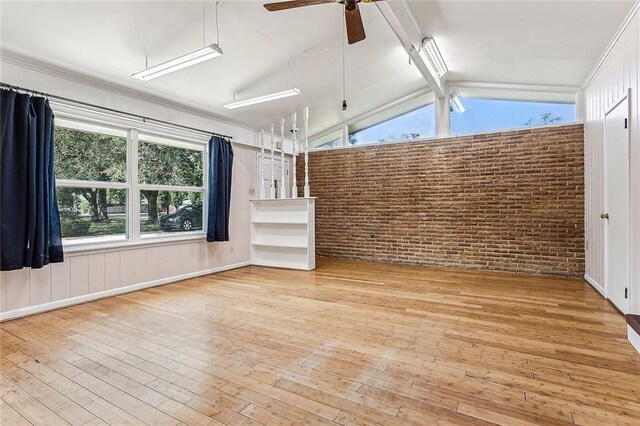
[(77, 249)]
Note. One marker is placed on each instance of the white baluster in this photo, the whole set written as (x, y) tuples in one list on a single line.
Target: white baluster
[(294, 187), (283, 183), (307, 190), (262, 188), (272, 188)]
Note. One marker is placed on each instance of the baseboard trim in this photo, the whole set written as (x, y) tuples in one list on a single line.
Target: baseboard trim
[(633, 337), (595, 285), (32, 310)]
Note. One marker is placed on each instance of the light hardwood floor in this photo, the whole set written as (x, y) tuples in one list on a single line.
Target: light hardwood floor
[(350, 343)]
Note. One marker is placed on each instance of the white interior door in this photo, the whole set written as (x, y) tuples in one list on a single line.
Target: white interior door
[(277, 174), (616, 215)]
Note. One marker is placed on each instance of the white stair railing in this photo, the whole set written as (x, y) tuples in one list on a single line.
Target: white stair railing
[(307, 190), (272, 187), (283, 183), (294, 187)]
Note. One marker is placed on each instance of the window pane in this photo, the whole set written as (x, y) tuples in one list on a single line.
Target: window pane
[(332, 140), (169, 211), (331, 144), (486, 115), (84, 155), (169, 165), (90, 213), (417, 124)]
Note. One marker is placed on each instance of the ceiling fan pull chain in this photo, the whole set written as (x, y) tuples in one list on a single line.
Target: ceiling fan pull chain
[(344, 73), (217, 25)]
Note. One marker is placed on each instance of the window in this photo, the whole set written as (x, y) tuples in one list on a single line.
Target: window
[(412, 117), (331, 140), (99, 198), (163, 164), (171, 186), (486, 115), (91, 176), (416, 124)]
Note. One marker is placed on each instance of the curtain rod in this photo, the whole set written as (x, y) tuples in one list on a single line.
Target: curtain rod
[(87, 104)]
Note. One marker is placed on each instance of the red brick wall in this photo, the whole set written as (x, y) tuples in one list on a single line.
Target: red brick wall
[(511, 201)]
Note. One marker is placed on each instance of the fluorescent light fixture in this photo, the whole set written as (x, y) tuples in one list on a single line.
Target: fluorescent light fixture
[(456, 103), (200, 55), (266, 98), (431, 54)]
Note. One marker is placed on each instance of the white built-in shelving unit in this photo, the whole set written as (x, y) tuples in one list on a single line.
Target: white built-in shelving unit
[(283, 233)]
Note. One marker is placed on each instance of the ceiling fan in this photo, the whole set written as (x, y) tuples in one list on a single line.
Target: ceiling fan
[(355, 28)]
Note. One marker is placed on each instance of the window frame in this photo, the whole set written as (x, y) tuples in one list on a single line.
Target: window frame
[(133, 236)]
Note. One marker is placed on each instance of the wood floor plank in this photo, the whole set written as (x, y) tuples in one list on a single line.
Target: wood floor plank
[(52, 399), (9, 416), (350, 343), (29, 407)]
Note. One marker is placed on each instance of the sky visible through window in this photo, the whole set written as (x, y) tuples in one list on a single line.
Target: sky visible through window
[(421, 122), (486, 115), (481, 115)]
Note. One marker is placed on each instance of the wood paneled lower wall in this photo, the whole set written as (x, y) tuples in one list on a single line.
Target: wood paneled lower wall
[(509, 201), (100, 272), (87, 276)]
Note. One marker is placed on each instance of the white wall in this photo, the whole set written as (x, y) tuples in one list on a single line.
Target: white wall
[(108, 271), (618, 71)]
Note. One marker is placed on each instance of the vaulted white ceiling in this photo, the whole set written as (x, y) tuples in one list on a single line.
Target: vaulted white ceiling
[(524, 42)]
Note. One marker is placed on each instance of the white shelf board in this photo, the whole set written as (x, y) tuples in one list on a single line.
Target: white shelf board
[(282, 199), (279, 222), (281, 245), (281, 264)]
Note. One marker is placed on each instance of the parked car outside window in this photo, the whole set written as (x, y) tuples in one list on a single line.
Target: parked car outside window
[(187, 218)]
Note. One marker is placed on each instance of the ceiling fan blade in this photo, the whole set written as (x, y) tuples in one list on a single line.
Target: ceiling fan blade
[(355, 27), (284, 5)]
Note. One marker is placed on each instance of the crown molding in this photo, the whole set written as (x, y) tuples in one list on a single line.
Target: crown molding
[(10, 57), (632, 13)]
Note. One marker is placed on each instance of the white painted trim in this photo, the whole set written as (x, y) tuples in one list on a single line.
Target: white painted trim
[(595, 285), (515, 87), (403, 23), (75, 183), (133, 214), (80, 249), (613, 42), (633, 338), (31, 310), (625, 98), (177, 188), (614, 105)]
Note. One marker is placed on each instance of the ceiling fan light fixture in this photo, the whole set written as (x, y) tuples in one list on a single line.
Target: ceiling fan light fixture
[(184, 61), (265, 98), (431, 55)]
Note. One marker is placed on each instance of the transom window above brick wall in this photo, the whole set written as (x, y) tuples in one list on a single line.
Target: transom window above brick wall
[(488, 115)]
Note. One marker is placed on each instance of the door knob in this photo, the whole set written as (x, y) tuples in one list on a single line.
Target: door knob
[(604, 216)]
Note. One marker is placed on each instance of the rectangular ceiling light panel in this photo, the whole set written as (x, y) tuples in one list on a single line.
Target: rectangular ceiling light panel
[(265, 98), (431, 55), (200, 55)]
